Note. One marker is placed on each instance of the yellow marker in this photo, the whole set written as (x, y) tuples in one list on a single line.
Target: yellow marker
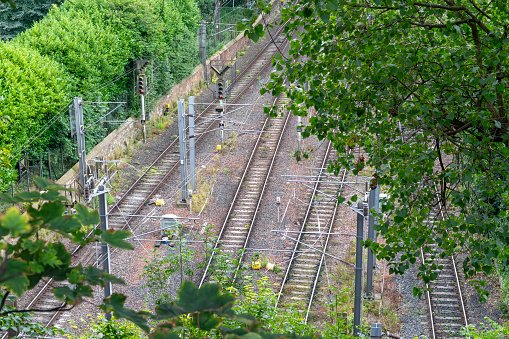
[(159, 202), (167, 105), (256, 265), (218, 147)]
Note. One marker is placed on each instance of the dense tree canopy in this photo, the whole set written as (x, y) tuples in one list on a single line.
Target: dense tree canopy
[(422, 88), (15, 20)]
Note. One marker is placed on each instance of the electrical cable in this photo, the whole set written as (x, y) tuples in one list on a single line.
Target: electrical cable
[(122, 214), (104, 116)]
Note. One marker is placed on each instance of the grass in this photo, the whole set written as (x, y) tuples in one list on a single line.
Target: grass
[(158, 125), (344, 292), (205, 180)]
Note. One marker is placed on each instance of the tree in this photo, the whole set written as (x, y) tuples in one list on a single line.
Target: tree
[(31, 251), (198, 313), (15, 20), (421, 86)]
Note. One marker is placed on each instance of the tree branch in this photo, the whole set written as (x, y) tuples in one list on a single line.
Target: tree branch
[(440, 25), (450, 8), (54, 309), (462, 128), (479, 10), (3, 300)]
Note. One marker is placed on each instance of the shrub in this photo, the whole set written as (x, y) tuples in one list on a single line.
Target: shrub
[(86, 48), (32, 89)]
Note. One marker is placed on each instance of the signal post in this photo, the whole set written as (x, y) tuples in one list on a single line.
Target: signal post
[(141, 88), (220, 97)]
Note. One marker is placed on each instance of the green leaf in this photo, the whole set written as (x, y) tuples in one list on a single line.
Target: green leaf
[(85, 216), (115, 304), (332, 5), (206, 321), (164, 333), (116, 239), (95, 276), (207, 298), (15, 222), (73, 295), (14, 277)]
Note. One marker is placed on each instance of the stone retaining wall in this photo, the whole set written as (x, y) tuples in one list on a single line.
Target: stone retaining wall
[(118, 140)]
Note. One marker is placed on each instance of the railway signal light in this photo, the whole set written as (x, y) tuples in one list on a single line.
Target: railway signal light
[(141, 84), (220, 88)]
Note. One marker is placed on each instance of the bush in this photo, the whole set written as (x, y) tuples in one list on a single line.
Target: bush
[(86, 48), (32, 89), (100, 328)]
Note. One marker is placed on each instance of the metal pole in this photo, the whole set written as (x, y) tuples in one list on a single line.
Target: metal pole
[(221, 122), (28, 172), (49, 166), (373, 203), (143, 117), (204, 48), (299, 134), (192, 155), (103, 205), (357, 311), (80, 138), (182, 148)]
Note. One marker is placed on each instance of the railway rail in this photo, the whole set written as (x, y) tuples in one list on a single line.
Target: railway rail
[(447, 314), (236, 229), (149, 182), (444, 297), (300, 281)]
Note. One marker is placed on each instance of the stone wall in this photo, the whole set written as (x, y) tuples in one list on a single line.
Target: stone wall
[(118, 140)]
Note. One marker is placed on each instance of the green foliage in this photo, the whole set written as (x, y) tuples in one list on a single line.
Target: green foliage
[(100, 328), (422, 88), (86, 48), (258, 300), (202, 311), (7, 173), (490, 330), (32, 89), (23, 322), (15, 20), (26, 259)]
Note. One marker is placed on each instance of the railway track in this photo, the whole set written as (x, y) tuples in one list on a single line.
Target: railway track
[(444, 297), (236, 228), (301, 277), (149, 182), (447, 314)]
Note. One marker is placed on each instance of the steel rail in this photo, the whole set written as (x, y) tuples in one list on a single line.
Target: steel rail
[(429, 303), (288, 268), (249, 84), (455, 271), (460, 295), (283, 129), (207, 109), (333, 217), (239, 188)]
